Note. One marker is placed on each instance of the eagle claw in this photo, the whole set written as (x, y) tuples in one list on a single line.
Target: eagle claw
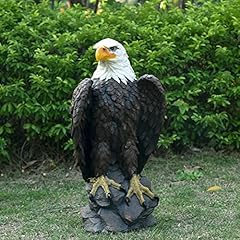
[(138, 189), (103, 182)]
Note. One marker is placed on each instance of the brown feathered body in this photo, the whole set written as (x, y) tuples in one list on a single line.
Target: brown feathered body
[(118, 122)]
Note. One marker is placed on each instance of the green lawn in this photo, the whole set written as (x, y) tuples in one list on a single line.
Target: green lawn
[(33, 206)]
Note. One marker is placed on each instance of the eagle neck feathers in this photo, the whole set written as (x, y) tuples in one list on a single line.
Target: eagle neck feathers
[(120, 71)]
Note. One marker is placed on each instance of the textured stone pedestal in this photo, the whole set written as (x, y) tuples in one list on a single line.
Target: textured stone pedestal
[(115, 215)]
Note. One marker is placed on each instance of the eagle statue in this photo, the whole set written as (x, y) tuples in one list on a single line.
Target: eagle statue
[(116, 116)]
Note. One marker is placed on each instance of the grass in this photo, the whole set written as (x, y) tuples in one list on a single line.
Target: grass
[(46, 206)]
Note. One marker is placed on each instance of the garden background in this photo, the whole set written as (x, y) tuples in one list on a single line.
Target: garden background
[(45, 53), (194, 51)]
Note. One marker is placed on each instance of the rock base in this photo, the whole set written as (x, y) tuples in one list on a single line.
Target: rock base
[(115, 215)]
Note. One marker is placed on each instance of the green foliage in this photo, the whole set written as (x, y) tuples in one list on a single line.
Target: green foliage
[(45, 53), (188, 174)]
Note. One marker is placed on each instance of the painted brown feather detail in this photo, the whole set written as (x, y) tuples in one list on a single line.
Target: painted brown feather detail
[(81, 114), (151, 119), (113, 121)]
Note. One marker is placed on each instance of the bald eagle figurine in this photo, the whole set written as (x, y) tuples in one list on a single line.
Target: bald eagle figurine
[(115, 116)]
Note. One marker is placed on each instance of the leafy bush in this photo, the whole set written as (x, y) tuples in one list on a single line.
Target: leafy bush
[(45, 53)]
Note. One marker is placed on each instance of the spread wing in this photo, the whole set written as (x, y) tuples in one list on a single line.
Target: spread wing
[(152, 112), (81, 111)]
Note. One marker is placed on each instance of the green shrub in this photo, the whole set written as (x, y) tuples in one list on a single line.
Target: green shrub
[(45, 53)]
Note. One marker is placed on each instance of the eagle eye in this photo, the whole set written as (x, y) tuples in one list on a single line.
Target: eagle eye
[(113, 49)]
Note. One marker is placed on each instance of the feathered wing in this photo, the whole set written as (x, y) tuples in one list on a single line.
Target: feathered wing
[(81, 117), (152, 112)]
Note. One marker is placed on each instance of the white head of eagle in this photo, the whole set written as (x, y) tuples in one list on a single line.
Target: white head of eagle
[(113, 62)]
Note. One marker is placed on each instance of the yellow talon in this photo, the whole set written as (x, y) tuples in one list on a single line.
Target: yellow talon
[(103, 182), (138, 189)]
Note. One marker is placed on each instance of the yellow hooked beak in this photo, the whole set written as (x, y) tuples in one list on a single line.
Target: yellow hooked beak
[(103, 54)]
